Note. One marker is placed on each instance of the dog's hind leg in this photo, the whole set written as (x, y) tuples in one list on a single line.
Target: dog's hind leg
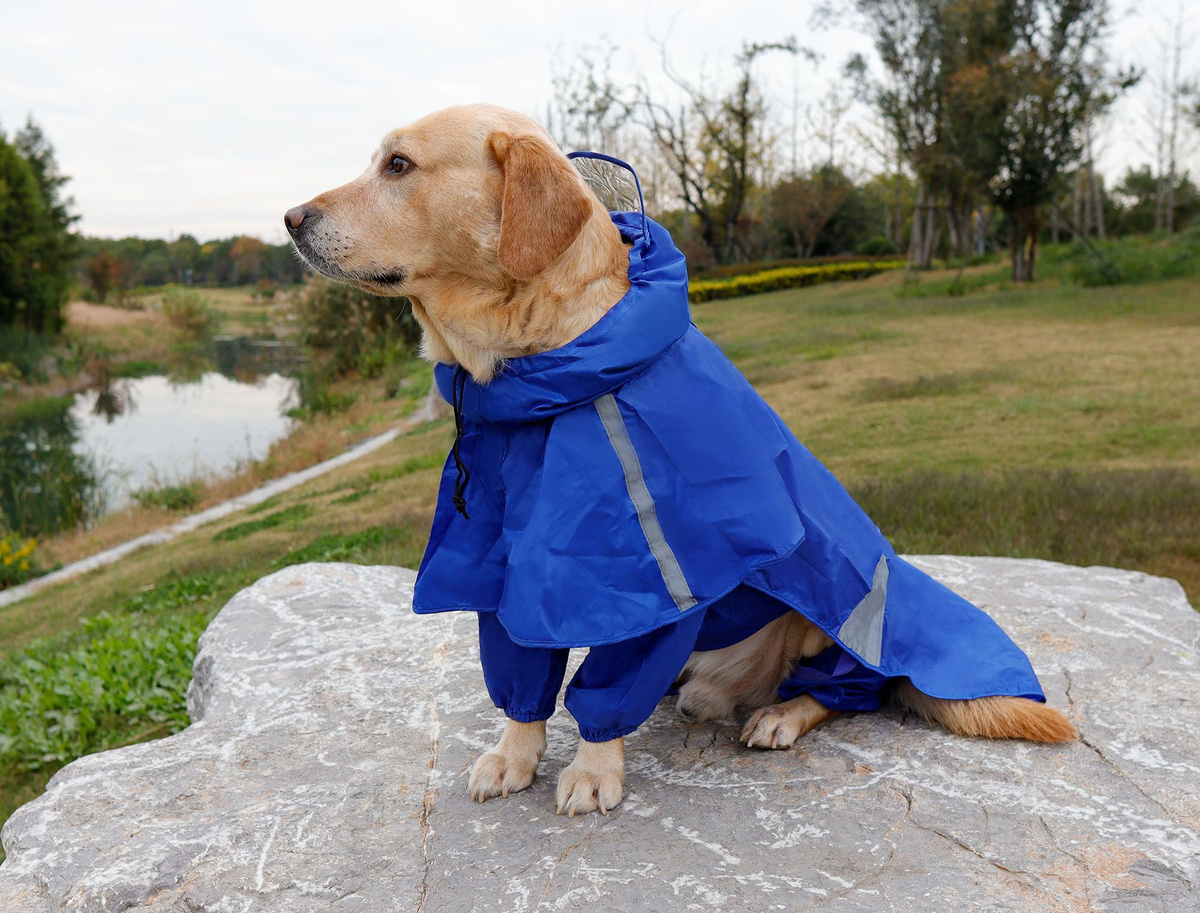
[(997, 717), (512, 765), (779, 725), (748, 674)]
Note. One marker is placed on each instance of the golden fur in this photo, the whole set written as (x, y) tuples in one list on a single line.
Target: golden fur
[(492, 235), (476, 216)]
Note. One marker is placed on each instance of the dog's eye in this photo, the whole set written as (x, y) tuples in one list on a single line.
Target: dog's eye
[(400, 164)]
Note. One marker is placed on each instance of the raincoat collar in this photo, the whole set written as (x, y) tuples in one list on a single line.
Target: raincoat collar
[(651, 317)]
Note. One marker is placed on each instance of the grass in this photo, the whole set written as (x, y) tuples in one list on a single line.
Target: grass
[(289, 516), (1143, 518), (1052, 421)]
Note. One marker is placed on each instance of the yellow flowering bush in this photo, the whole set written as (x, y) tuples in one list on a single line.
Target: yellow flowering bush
[(773, 280), (17, 560)]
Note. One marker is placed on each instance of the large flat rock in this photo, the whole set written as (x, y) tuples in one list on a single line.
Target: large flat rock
[(326, 770)]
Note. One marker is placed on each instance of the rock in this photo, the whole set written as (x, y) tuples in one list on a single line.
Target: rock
[(326, 770)]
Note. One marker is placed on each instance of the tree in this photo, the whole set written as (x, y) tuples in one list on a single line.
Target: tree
[(942, 60), (35, 246), (712, 143), (1138, 195), (1054, 80), (102, 271), (54, 249), (1172, 91), (590, 110), (247, 253), (804, 205)]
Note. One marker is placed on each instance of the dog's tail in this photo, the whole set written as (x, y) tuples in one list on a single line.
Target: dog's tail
[(993, 717)]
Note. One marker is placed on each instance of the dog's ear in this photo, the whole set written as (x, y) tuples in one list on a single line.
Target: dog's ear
[(544, 205)]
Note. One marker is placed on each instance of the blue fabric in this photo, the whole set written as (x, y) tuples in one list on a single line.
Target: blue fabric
[(555, 547), (837, 680), (612, 693)]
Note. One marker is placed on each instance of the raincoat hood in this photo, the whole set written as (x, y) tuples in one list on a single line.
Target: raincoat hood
[(633, 478), (634, 333)]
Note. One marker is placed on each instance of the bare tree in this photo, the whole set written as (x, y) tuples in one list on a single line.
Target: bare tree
[(712, 141), (1172, 91), (590, 109)]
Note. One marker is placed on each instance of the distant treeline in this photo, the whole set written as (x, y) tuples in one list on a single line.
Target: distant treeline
[(113, 267)]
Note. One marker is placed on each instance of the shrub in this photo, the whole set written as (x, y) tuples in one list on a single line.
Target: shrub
[(27, 353), (878, 246), (18, 560), (1130, 260), (790, 277), (354, 332), (188, 313), (169, 497)]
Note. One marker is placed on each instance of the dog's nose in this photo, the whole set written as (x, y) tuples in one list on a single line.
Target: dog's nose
[(294, 218)]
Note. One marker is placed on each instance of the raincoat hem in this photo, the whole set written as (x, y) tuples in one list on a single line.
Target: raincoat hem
[(625, 635)]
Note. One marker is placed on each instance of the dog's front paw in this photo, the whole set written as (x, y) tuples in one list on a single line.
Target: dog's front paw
[(594, 780), (496, 774), (512, 765), (779, 725)]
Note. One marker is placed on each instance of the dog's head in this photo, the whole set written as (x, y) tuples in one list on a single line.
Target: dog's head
[(457, 211)]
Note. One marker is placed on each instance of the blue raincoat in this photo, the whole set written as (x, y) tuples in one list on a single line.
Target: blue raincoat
[(631, 488)]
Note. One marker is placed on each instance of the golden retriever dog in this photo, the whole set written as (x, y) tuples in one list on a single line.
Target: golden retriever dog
[(476, 216)]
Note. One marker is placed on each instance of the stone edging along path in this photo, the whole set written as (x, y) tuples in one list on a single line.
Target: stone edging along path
[(433, 408)]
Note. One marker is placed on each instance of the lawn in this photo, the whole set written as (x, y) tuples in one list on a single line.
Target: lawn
[(1052, 421)]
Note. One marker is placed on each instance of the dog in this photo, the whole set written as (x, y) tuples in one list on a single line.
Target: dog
[(478, 219)]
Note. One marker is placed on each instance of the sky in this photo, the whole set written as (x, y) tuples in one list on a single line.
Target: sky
[(214, 118)]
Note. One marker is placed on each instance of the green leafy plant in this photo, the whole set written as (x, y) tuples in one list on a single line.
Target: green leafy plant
[(120, 681)]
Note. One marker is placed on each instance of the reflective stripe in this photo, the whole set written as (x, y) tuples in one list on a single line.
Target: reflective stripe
[(639, 494), (862, 632)]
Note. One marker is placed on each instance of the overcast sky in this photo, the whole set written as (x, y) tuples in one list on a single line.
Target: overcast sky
[(213, 118)]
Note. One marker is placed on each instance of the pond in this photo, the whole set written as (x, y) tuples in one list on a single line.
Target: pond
[(170, 433), (70, 459)]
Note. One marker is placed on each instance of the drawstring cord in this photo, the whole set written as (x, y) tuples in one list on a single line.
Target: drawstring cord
[(464, 475)]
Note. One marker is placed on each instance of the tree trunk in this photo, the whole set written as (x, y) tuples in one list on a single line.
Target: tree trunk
[(1022, 243), (932, 235), (1077, 211), (914, 239), (1098, 203)]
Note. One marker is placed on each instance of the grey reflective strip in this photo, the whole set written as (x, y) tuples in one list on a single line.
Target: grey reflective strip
[(862, 632), (635, 484)]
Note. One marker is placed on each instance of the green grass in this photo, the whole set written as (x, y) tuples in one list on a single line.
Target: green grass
[(290, 516), (355, 547), (885, 389)]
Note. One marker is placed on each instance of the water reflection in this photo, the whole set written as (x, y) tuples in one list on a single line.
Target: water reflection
[(66, 460), (114, 399), (182, 431), (46, 483)]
